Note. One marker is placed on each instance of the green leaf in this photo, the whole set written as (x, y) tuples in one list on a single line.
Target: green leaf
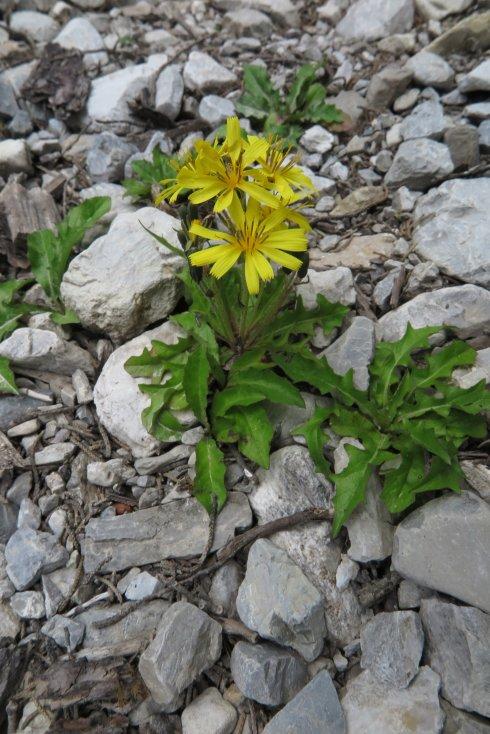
[(255, 432), (260, 97), (162, 241), (273, 388), (7, 379), (232, 396), (80, 219), (210, 475), (424, 436), (314, 434), (157, 420), (11, 312), (191, 322), (305, 76), (8, 288), (399, 483), (68, 317), (350, 486), (301, 320), (195, 383)]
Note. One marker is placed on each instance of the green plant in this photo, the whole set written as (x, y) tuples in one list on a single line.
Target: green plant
[(225, 369), (285, 114), (411, 421), (48, 254), (147, 174)]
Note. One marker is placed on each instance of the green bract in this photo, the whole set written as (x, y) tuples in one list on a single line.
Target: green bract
[(285, 115)]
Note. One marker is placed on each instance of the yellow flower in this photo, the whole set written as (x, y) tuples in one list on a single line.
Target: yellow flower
[(221, 171), (278, 171), (257, 233)]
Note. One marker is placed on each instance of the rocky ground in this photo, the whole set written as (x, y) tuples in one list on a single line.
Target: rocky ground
[(121, 610)]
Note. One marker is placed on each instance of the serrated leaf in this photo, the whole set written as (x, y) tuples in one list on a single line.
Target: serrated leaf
[(314, 433), (157, 420), (259, 97), (210, 475), (7, 379), (399, 483), (303, 79), (232, 396), (195, 383), (191, 322), (255, 432), (424, 436), (301, 320), (273, 388)]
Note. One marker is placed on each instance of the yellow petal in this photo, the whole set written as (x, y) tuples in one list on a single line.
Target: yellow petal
[(235, 211), (210, 255), (208, 233), (198, 197), (225, 262), (232, 132), (260, 194), (251, 275), (224, 200), (263, 266), (282, 258)]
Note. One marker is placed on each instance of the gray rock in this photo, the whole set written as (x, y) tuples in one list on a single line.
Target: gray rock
[(38, 27), (224, 587), (426, 121), (178, 529), (443, 545), (45, 350), (67, 633), (9, 624), (282, 11), (478, 80), (209, 713), (336, 285), (431, 70), (459, 651), (169, 90), (353, 350), (8, 520), (392, 645), (28, 604), (118, 399), (459, 722), (125, 280), (346, 572), (372, 707), (463, 144), (8, 102), (14, 157), (124, 637), (108, 473), (55, 453), (350, 103), (214, 110), (186, 643), (81, 385), (439, 9), (79, 33), (410, 595), (29, 515), (419, 164), (369, 529), (267, 674), (464, 308), (314, 710), (484, 135), (142, 586), (203, 74), (478, 477), (120, 203), (155, 464), (387, 85), (317, 139), (249, 22), (451, 225), (478, 110), (30, 553), (368, 20), (57, 587), (277, 601), (110, 95), (107, 156)]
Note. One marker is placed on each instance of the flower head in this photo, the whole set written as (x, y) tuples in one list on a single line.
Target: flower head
[(259, 234)]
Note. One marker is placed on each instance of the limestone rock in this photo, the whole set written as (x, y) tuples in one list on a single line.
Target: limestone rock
[(372, 707), (9, 624), (336, 285), (107, 156), (277, 601), (30, 553), (459, 651), (186, 643), (209, 713), (443, 545), (38, 27), (45, 350), (419, 164), (177, 529), (314, 710), (354, 349), (464, 308), (478, 80), (451, 225), (67, 633), (169, 90), (203, 74), (14, 157), (368, 20), (474, 29), (79, 33), (426, 121), (439, 9), (267, 674), (431, 70), (125, 280), (387, 85), (392, 644)]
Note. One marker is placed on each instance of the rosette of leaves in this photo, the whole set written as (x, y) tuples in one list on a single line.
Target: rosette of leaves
[(286, 114), (411, 422), (49, 254), (223, 370)]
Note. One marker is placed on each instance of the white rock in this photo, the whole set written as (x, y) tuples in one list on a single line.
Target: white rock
[(439, 9), (369, 20), (214, 110), (419, 164), (120, 204), (142, 586), (336, 285), (354, 349), (38, 27), (478, 80), (249, 22), (426, 121), (29, 515), (202, 73), (465, 308), (431, 70), (346, 572), (282, 11), (125, 280), (45, 350), (466, 378), (110, 94), (108, 473), (14, 157), (55, 453), (169, 90), (209, 713), (317, 140), (9, 624), (79, 33), (118, 399), (28, 604)]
